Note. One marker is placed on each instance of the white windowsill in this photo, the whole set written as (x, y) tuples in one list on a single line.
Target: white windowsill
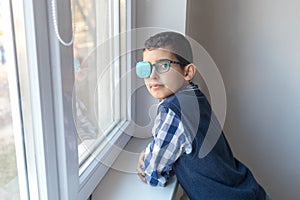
[(122, 183)]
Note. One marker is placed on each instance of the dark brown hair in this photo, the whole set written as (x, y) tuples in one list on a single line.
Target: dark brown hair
[(174, 42)]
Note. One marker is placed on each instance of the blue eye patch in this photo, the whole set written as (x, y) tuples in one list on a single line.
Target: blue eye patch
[(143, 69)]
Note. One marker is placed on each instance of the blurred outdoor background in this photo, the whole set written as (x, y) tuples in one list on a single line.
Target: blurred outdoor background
[(8, 168)]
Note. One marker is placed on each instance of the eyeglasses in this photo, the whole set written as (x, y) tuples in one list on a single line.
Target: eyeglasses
[(144, 69)]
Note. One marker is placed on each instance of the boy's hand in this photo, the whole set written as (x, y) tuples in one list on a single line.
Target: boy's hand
[(141, 174)]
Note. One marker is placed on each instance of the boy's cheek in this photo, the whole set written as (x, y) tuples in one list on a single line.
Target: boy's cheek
[(174, 87)]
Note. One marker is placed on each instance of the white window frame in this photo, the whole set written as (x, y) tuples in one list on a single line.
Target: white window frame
[(51, 149)]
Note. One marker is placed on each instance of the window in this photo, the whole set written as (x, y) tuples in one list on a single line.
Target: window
[(61, 164), (97, 72), (9, 135), (13, 174), (100, 88)]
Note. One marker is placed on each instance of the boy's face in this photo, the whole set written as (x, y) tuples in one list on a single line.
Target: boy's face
[(163, 85)]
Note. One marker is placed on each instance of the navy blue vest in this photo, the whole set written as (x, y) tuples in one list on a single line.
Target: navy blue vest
[(218, 175)]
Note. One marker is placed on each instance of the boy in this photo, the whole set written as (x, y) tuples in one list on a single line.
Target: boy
[(183, 118)]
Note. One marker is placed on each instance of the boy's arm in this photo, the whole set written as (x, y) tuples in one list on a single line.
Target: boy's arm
[(169, 142)]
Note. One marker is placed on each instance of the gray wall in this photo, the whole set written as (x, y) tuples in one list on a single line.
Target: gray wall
[(256, 46), (169, 14)]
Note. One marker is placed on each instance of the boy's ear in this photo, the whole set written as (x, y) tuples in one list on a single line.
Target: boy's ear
[(189, 72)]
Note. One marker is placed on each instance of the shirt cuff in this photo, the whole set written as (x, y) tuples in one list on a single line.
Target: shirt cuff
[(154, 180)]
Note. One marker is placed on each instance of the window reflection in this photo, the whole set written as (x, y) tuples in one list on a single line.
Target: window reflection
[(93, 88)]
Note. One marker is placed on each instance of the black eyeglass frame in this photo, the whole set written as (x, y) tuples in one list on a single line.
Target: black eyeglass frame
[(169, 62)]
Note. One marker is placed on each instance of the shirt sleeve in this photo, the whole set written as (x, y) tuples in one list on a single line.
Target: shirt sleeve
[(169, 142)]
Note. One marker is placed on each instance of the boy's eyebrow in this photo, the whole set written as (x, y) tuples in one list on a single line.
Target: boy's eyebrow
[(159, 60), (164, 59)]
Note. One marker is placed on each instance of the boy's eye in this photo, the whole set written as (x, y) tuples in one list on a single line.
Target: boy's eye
[(163, 66)]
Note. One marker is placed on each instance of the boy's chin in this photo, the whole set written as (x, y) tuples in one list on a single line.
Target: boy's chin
[(160, 93), (161, 96)]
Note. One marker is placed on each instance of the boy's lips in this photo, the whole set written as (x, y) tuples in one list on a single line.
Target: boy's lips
[(155, 85)]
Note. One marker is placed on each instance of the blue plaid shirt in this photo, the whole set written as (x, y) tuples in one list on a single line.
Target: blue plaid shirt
[(169, 142)]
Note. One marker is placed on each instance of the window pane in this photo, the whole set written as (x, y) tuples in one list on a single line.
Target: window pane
[(94, 78), (9, 186), (8, 167)]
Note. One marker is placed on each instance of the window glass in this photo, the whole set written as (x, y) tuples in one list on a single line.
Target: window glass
[(9, 187), (96, 72)]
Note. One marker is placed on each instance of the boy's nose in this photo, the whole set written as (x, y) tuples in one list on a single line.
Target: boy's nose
[(153, 74)]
